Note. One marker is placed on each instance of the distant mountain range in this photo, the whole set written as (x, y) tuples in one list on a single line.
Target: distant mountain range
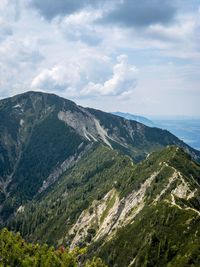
[(75, 176), (137, 118), (185, 128)]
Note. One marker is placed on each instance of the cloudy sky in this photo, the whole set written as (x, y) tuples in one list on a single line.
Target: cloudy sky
[(138, 56)]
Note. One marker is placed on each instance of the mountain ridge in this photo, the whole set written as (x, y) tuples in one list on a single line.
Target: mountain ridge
[(75, 176), (116, 196), (42, 135)]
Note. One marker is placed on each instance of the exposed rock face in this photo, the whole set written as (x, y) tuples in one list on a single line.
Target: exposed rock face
[(85, 124), (112, 213), (97, 216)]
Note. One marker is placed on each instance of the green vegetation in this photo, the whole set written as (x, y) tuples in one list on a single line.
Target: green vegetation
[(161, 228), (14, 251), (165, 161), (34, 142), (142, 139), (47, 147), (161, 235), (31, 151), (49, 218)]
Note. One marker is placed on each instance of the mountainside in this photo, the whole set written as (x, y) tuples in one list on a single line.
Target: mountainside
[(80, 177), (137, 118), (161, 223), (43, 135), (130, 215), (49, 217)]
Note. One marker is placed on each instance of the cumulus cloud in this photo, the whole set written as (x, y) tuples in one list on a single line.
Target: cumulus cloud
[(123, 80), (71, 47), (183, 28), (18, 61), (57, 79), (10, 10), (134, 13), (73, 81), (181, 39), (50, 8)]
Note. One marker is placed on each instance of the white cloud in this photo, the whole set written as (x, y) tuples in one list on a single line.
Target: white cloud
[(123, 80), (75, 55), (80, 26), (72, 80), (58, 79), (181, 39), (5, 24)]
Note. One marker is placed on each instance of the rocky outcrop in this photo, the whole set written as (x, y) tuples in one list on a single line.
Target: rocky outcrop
[(85, 124), (104, 217)]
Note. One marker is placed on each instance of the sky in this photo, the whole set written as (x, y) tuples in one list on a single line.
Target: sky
[(136, 56)]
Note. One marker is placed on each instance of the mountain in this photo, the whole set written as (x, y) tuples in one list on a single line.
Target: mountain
[(74, 176), (43, 135), (185, 128), (128, 214), (90, 179), (160, 219), (137, 118)]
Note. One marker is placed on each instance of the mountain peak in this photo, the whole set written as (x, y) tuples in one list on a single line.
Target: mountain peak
[(55, 133), (92, 178)]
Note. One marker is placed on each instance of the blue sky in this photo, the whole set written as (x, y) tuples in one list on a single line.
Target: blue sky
[(137, 56)]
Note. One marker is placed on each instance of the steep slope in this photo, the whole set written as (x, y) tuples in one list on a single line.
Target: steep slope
[(33, 143), (136, 139), (130, 215), (158, 223), (49, 217), (43, 135)]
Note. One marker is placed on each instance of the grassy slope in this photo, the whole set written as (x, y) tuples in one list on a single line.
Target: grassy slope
[(143, 139)]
